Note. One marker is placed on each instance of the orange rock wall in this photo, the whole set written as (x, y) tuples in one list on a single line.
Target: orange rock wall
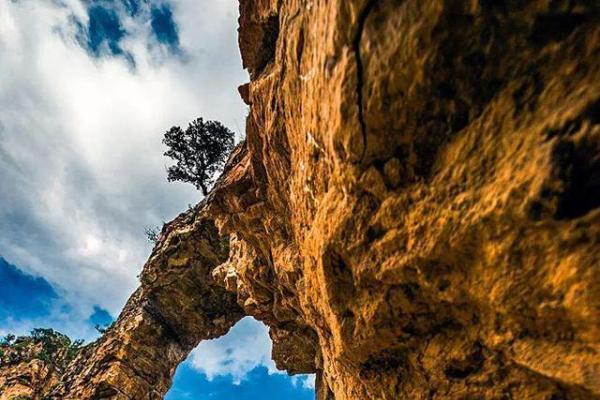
[(424, 202)]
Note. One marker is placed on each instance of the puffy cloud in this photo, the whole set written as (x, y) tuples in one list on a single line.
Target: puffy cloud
[(81, 160), (304, 381), (87, 90), (245, 347)]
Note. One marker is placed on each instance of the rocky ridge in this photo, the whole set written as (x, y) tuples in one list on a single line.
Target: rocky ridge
[(414, 212)]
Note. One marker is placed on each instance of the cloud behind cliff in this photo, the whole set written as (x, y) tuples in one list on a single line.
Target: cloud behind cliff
[(81, 161), (87, 89)]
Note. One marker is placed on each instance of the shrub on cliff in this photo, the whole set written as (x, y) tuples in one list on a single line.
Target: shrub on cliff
[(152, 234), (199, 151), (47, 345), (54, 344), (7, 340)]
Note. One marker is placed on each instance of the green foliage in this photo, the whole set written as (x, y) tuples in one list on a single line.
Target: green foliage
[(199, 151), (20, 343), (55, 348), (7, 340), (54, 343), (51, 341)]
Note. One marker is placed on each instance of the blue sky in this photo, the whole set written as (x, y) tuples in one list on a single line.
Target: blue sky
[(88, 89), (23, 296), (237, 364), (257, 385)]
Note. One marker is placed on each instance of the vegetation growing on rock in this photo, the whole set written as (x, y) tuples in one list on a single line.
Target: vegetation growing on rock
[(47, 345), (199, 151)]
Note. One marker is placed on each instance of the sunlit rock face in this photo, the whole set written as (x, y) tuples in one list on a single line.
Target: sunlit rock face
[(177, 306), (419, 201), (414, 212), (23, 374)]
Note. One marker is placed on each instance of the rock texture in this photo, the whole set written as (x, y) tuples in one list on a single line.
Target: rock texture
[(32, 366), (24, 374), (176, 307), (414, 212)]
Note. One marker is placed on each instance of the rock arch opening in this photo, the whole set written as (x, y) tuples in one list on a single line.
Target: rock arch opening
[(179, 306), (238, 362)]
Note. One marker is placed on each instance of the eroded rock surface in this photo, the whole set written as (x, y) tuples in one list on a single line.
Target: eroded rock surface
[(414, 212), (176, 306)]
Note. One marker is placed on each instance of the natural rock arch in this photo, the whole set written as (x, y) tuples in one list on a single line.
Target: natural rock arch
[(177, 305)]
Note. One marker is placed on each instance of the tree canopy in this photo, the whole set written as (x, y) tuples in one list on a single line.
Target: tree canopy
[(199, 151)]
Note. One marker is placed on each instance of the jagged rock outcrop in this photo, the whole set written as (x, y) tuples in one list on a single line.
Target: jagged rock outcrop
[(176, 306), (31, 366), (414, 212)]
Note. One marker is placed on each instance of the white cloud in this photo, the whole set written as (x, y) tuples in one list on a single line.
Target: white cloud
[(246, 347), (81, 163), (304, 381), (61, 318)]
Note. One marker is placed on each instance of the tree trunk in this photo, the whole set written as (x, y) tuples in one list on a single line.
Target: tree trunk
[(203, 188)]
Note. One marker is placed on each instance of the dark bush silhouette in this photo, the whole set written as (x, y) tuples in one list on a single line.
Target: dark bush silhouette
[(152, 233), (200, 151)]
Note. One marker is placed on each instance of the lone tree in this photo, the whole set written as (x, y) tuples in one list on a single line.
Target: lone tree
[(200, 151)]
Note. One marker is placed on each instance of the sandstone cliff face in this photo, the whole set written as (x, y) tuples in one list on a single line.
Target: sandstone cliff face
[(414, 212)]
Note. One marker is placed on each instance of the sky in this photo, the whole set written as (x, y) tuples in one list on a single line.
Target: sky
[(87, 89)]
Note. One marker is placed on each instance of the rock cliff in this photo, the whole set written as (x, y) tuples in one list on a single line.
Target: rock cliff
[(414, 212)]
